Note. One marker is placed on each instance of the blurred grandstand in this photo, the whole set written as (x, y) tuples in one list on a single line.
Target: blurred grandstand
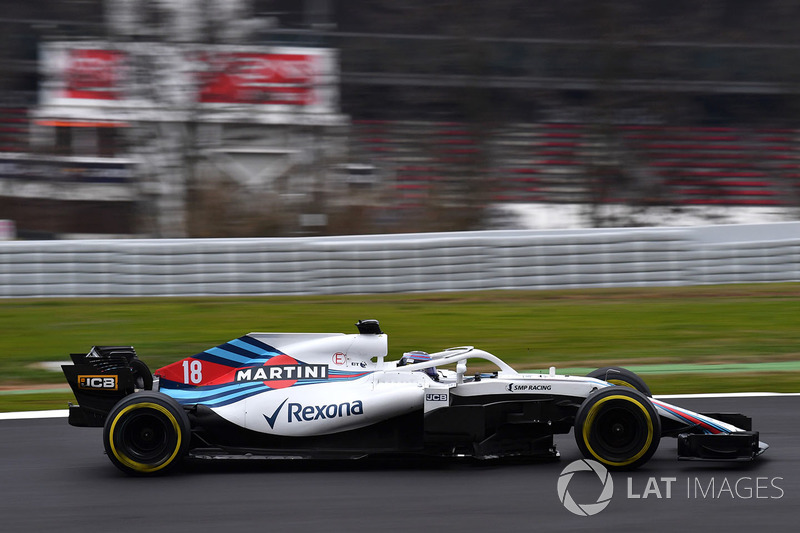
[(282, 117)]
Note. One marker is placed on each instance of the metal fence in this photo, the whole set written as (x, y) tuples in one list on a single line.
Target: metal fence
[(402, 263)]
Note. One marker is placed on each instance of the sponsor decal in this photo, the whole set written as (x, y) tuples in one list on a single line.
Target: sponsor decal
[(282, 371), (662, 488), (257, 78), (97, 382), (271, 419), (339, 358), (93, 74), (297, 412), (436, 397), (519, 387)]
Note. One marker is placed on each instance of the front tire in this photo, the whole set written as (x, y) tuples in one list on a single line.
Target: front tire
[(619, 427), (146, 433), (617, 375)]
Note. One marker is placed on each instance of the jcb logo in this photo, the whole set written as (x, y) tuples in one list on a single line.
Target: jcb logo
[(436, 397), (97, 382)]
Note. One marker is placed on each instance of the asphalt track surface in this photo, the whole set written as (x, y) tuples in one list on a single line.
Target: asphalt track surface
[(56, 478)]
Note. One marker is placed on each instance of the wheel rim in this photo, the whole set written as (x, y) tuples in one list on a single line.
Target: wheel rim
[(618, 430), (145, 437)]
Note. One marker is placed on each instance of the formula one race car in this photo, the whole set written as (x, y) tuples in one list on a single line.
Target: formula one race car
[(321, 395)]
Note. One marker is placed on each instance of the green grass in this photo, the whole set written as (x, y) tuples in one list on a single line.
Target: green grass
[(36, 402), (704, 383), (536, 329)]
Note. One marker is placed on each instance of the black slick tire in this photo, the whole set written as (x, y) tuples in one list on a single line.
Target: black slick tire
[(621, 376), (618, 427), (146, 433)]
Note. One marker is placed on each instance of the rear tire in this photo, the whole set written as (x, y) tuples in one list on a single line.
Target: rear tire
[(142, 376), (621, 376), (146, 433), (619, 427)]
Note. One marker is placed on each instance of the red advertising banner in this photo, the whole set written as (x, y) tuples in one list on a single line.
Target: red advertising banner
[(93, 74), (104, 78), (257, 78)]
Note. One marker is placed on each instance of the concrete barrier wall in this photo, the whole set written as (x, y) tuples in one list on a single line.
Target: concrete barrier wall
[(402, 263)]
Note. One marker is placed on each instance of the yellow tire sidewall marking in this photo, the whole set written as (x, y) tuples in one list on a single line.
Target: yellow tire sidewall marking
[(130, 463), (621, 383), (587, 425)]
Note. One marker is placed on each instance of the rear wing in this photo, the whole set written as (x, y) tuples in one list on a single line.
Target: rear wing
[(101, 378)]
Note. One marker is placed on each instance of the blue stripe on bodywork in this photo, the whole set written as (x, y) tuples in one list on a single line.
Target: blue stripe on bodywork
[(185, 391), (217, 397), (221, 357), (254, 346), (234, 359), (703, 421), (243, 351), (234, 349)]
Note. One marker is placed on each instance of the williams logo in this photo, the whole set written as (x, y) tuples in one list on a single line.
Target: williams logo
[(297, 412), (282, 371)]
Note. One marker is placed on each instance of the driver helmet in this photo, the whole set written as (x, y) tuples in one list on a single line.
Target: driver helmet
[(418, 356)]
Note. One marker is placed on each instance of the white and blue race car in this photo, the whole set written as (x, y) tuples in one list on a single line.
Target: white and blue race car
[(334, 395)]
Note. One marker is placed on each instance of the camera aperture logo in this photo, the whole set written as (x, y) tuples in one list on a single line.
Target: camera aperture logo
[(585, 509)]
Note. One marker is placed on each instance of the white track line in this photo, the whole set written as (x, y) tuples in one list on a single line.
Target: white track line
[(29, 415), (63, 413)]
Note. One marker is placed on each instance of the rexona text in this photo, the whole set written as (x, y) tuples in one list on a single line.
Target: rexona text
[(307, 413)]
